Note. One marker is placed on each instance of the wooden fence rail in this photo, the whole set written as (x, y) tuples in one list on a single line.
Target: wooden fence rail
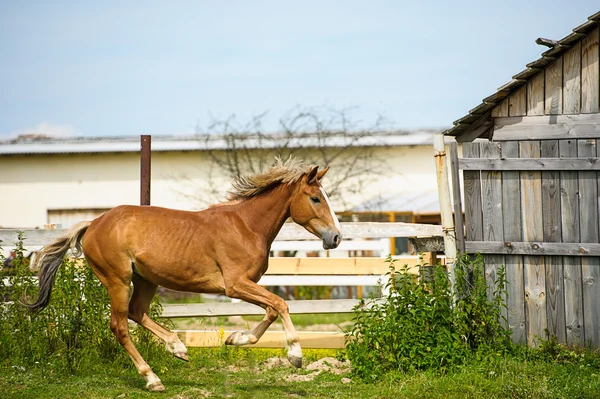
[(289, 232), (291, 271)]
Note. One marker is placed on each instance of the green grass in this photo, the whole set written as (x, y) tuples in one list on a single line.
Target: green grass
[(68, 351), (239, 373)]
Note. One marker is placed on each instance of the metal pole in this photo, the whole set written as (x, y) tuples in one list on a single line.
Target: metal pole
[(145, 163), (445, 203)]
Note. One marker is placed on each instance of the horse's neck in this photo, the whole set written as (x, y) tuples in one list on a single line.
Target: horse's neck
[(269, 211)]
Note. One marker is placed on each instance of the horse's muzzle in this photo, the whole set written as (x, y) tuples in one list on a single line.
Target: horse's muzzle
[(331, 239)]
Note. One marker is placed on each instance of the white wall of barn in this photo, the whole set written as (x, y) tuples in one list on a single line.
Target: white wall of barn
[(35, 187)]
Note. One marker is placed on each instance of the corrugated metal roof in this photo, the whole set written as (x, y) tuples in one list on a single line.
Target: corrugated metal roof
[(484, 109), (417, 200), (85, 145)]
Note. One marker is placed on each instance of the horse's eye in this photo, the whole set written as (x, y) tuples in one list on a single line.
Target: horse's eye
[(316, 200)]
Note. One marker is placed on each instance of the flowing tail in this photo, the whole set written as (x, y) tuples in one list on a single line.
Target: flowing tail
[(50, 258)]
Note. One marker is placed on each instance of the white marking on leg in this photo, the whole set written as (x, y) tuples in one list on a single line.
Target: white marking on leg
[(176, 347), (295, 350), (336, 222), (293, 344), (241, 339), (152, 379)]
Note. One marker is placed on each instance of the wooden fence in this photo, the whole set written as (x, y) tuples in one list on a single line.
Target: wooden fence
[(336, 269)]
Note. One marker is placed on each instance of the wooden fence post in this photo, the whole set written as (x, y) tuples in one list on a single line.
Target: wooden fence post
[(448, 230)]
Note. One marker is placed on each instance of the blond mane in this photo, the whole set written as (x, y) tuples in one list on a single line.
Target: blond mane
[(281, 172)]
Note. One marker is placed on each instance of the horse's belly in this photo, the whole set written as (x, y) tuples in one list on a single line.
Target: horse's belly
[(181, 276), (205, 284)]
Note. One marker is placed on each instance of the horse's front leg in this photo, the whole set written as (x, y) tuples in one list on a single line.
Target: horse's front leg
[(239, 338), (251, 292)]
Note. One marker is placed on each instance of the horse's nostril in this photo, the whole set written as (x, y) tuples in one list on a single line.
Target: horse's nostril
[(336, 239)]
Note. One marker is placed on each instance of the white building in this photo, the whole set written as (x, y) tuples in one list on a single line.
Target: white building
[(65, 180)]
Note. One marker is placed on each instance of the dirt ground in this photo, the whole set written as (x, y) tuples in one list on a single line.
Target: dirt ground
[(327, 364)]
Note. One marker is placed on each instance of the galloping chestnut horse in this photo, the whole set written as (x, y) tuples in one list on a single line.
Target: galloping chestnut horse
[(223, 249)]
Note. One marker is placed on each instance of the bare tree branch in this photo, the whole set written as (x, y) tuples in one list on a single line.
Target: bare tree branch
[(318, 135)]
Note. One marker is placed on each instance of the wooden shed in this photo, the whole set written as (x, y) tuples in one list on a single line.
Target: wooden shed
[(531, 167)]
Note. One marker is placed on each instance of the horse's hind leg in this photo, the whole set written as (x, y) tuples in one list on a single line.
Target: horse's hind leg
[(143, 291), (118, 291)]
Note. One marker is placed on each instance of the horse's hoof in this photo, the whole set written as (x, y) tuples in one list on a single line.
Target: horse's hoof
[(296, 361), (156, 387), (182, 356)]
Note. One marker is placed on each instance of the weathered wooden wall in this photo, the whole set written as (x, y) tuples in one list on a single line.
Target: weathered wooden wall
[(567, 86), (531, 198), (517, 219)]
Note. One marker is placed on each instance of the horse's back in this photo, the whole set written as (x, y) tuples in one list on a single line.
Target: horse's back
[(133, 226), (164, 245)]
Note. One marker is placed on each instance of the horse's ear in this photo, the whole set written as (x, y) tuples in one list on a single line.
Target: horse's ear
[(322, 173), (312, 176)]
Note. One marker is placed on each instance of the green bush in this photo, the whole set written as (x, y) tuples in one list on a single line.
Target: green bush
[(479, 308), (422, 324), (73, 331)]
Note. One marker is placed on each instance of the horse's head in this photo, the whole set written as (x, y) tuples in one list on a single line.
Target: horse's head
[(311, 209)]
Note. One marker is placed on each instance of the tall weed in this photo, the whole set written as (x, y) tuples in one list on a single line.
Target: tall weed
[(73, 332), (479, 311), (423, 324)]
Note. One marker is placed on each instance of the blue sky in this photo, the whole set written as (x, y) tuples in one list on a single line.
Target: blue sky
[(104, 68)]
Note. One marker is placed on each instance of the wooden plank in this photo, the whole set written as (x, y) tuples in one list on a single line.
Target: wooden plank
[(588, 224), (590, 81), (491, 190), (534, 248), (553, 127), (338, 266), (513, 264), (324, 280), (32, 237), (535, 298), (501, 110), (572, 80), (289, 231), (534, 268), (517, 102), (569, 204), (459, 225), (472, 190), (491, 193), (271, 339), (292, 231), (573, 301), (535, 95), (426, 244), (480, 128), (555, 300), (511, 221), (531, 191), (520, 164), (541, 120), (554, 81), (376, 245), (214, 309)]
